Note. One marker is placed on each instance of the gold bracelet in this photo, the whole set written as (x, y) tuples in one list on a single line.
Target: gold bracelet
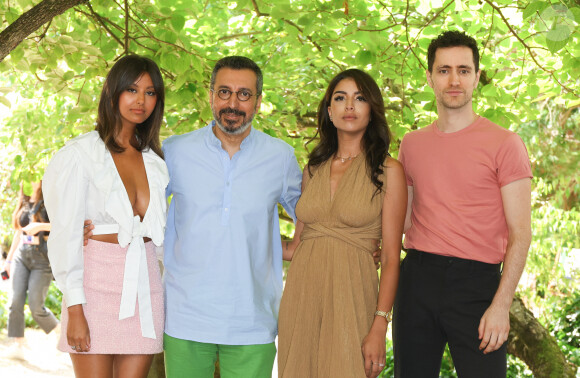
[(387, 315)]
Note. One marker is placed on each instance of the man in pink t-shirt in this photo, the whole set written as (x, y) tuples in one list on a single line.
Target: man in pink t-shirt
[(469, 183)]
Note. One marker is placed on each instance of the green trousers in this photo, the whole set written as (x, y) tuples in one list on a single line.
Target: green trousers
[(185, 358)]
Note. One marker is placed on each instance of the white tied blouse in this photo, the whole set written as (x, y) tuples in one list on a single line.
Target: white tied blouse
[(82, 182)]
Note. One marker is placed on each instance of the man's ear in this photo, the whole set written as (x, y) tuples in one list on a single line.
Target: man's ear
[(477, 75), (258, 103), (429, 78)]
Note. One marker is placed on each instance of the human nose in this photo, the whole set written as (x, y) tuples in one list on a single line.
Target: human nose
[(349, 104), (454, 78), (233, 100), (140, 98)]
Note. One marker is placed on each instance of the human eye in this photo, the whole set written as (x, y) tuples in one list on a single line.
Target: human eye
[(361, 98), (338, 98), (225, 92), (245, 94), (464, 72), (131, 90), (443, 71), (151, 93)]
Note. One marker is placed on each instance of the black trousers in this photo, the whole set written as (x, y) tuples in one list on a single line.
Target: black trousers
[(441, 300)]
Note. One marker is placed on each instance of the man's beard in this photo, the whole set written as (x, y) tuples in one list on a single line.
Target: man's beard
[(230, 128)]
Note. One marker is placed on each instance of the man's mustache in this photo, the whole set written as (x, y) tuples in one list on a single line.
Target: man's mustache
[(232, 111)]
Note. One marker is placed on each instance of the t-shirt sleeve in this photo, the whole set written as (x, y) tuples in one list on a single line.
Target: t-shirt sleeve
[(64, 190), (402, 159), (513, 162)]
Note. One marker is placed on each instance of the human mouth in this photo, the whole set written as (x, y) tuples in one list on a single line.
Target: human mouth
[(232, 113)]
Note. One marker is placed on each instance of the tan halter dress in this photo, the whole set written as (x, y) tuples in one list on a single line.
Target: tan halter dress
[(332, 286)]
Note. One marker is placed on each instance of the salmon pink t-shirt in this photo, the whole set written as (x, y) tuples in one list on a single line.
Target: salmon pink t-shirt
[(457, 208)]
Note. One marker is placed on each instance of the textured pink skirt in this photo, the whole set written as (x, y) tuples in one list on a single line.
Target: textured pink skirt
[(104, 265)]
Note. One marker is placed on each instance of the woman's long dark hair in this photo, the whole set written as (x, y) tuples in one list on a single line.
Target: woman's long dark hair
[(25, 203), (124, 74), (377, 137)]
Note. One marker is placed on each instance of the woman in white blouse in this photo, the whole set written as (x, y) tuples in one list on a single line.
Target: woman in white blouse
[(112, 317)]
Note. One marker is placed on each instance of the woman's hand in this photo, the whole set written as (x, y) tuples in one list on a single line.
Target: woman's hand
[(373, 348), (36, 227), (77, 332), (6, 267)]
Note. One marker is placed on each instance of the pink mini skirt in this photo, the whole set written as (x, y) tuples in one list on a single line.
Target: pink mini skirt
[(104, 265)]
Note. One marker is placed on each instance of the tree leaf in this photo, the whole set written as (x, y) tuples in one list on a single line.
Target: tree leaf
[(4, 101)]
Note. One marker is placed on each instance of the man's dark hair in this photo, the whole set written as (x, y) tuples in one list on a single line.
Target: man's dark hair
[(238, 63), (452, 38)]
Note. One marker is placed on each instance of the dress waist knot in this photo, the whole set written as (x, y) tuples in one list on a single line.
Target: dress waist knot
[(356, 237)]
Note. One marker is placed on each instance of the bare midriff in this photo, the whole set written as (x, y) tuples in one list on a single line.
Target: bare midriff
[(112, 238)]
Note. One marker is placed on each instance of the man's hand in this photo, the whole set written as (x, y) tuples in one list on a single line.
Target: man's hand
[(494, 328), (377, 255), (88, 231)]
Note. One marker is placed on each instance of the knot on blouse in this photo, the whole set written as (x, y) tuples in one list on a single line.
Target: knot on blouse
[(356, 237), (136, 277)]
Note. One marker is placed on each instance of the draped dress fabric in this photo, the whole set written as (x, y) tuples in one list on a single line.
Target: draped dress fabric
[(331, 290)]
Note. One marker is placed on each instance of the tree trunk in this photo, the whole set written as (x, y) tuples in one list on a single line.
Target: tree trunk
[(157, 367), (533, 344), (30, 21), (528, 340)]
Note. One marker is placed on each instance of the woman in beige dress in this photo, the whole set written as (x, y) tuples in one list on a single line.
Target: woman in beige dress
[(334, 312)]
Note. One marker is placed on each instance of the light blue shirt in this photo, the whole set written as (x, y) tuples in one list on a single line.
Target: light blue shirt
[(223, 256)]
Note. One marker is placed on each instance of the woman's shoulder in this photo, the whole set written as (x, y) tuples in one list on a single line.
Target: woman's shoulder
[(393, 171), (391, 162), (84, 144)]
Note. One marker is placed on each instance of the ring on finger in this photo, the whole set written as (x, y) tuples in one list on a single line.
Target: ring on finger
[(73, 347)]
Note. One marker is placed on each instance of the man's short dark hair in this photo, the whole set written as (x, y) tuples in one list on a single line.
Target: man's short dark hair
[(452, 38), (238, 63)]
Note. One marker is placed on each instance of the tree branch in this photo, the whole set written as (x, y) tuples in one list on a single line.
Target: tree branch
[(101, 21), (30, 21), (126, 27), (527, 47), (309, 38)]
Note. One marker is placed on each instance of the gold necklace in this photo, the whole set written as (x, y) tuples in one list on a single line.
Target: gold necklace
[(345, 158)]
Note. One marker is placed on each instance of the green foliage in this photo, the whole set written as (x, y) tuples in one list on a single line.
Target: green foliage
[(53, 303), (3, 309), (530, 55), (566, 326)]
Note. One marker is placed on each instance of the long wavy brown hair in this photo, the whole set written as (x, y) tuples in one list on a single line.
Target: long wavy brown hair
[(377, 137), (123, 74)]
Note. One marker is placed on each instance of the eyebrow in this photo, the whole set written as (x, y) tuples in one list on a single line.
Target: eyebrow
[(460, 66), (343, 92), (228, 88), (135, 85)]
